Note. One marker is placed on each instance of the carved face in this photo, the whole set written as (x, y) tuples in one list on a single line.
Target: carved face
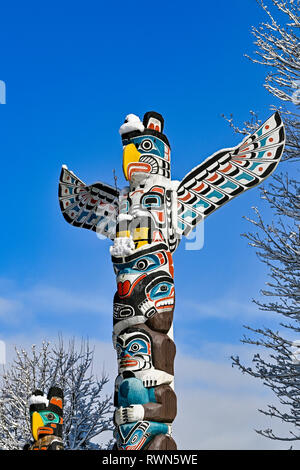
[(134, 351), (145, 284), (46, 413), (146, 150), (145, 154), (44, 422)]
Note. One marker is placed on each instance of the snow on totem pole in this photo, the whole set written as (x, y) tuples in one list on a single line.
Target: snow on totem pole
[(146, 221)]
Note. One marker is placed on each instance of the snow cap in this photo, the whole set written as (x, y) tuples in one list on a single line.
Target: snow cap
[(153, 124), (38, 399), (131, 123)]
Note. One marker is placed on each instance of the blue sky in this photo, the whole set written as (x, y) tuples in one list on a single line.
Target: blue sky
[(73, 71)]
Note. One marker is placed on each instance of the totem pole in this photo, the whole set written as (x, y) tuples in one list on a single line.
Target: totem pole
[(46, 414), (146, 221)]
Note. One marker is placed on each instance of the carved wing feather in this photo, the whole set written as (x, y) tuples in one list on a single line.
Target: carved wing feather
[(94, 207), (229, 172)]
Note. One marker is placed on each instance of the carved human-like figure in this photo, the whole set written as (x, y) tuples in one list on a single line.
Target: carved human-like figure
[(146, 221), (143, 390)]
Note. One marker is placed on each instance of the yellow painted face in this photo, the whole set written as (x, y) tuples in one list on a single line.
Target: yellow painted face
[(36, 423), (130, 156)]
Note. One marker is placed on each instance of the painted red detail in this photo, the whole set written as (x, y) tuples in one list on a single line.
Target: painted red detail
[(157, 189), (160, 216), (200, 187), (229, 166), (185, 198), (213, 177), (128, 363), (124, 287), (140, 167)]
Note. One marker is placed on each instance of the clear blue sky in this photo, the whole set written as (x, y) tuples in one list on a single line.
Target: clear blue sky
[(73, 70)]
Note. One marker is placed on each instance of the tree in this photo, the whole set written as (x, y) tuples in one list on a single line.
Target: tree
[(278, 242), (87, 413)]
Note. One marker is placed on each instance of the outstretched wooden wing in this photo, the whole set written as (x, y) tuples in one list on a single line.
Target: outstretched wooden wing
[(229, 172), (94, 207)]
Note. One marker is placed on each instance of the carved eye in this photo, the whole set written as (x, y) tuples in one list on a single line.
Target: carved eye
[(160, 291), (163, 288), (146, 145), (50, 416), (142, 264), (135, 347), (146, 263)]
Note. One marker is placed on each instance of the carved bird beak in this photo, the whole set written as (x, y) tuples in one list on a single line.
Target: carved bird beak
[(130, 156), (36, 423)]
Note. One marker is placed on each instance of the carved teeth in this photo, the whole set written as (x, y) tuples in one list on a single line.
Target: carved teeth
[(163, 303)]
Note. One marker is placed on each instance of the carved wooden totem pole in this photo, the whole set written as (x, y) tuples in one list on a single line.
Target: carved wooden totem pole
[(46, 415), (146, 221)]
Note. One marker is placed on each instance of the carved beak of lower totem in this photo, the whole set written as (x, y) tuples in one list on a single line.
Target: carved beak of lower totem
[(36, 423)]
